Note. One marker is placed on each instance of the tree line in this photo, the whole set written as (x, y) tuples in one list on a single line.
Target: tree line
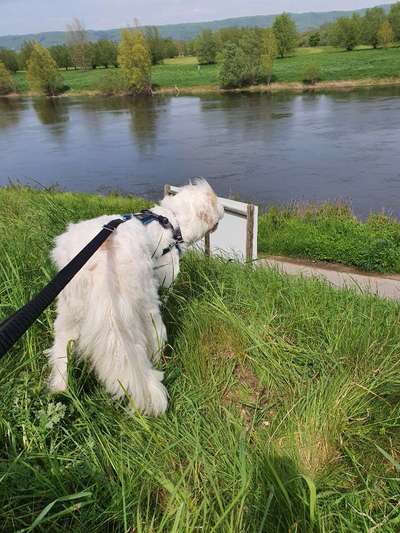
[(245, 55), (80, 53), (133, 55), (376, 29)]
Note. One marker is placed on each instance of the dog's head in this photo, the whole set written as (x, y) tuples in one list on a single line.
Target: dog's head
[(196, 208)]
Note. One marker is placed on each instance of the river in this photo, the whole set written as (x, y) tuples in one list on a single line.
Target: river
[(268, 149)]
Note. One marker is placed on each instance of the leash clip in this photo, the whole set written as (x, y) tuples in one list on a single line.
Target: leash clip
[(108, 228)]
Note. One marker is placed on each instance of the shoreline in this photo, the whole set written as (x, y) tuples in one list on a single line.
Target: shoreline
[(273, 88)]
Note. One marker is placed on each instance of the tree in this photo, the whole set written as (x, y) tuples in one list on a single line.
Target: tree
[(347, 32), (60, 54), (269, 51), (394, 19), (314, 39), (228, 35), (104, 53), (206, 48), (25, 54), (233, 67), (6, 81), (78, 45), (327, 32), (285, 33), (371, 22), (385, 34), (250, 44), (170, 48), (9, 58), (43, 74), (135, 61), (155, 44)]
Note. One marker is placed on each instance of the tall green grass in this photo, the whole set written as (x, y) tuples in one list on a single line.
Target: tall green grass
[(330, 232), (284, 411)]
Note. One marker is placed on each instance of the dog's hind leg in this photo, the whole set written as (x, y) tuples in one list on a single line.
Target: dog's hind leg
[(64, 331), (156, 332), (118, 350)]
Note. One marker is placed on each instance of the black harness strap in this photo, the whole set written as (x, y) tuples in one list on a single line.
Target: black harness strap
[(146, 216)]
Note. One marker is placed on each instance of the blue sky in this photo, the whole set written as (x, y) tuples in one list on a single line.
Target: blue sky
[(31, 16)]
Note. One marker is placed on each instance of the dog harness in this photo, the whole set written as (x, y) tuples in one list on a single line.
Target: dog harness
[(146, 217)]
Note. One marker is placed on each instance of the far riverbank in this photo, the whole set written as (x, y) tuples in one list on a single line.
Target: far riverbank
[(336, 69)]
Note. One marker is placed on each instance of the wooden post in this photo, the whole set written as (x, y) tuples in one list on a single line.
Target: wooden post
[(250, 232), (207, 245), (167, 190)]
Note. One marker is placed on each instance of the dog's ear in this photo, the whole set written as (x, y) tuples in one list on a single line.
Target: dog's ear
[(200, 182)]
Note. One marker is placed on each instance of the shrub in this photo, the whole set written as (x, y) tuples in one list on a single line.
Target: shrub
[(6, 81), (233, 68), (314, 39), (312, 74)]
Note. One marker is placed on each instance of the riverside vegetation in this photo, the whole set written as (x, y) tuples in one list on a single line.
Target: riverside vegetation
[(240, 57), (284, 403), (183, 73)]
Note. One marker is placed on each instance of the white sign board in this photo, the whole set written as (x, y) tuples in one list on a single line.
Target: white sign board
[(236, 235)]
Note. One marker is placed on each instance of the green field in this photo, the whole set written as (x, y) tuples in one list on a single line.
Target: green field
[(284, 411), (333, 64)]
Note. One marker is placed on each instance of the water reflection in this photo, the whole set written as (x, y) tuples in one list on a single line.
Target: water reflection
[(146, 114), (52, 112), (10, 112)]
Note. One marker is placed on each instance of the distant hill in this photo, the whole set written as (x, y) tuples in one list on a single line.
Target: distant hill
[(304, 21)]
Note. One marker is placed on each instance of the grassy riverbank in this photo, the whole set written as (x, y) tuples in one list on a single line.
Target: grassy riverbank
[(336, 67), (284, 410), (320, 232), (332, 233)]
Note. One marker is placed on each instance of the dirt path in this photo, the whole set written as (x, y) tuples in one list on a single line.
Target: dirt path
[(385, 286)]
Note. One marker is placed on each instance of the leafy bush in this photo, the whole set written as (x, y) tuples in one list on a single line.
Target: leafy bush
[(312, 74), (6, 81), (233, 70)]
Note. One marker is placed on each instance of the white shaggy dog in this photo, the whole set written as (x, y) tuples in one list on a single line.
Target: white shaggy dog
[(111, 308)]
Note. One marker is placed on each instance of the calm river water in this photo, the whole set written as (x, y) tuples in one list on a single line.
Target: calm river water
[(270, 149)]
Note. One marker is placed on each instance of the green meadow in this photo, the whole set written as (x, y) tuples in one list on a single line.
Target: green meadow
[(284, 403), (333, 65)]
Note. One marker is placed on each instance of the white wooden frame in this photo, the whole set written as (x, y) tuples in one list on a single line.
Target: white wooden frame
[(236, 236)]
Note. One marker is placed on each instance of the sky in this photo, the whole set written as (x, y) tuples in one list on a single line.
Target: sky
[(33, 16)]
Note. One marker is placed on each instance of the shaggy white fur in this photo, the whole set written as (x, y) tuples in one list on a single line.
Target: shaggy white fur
[(111, 308)]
